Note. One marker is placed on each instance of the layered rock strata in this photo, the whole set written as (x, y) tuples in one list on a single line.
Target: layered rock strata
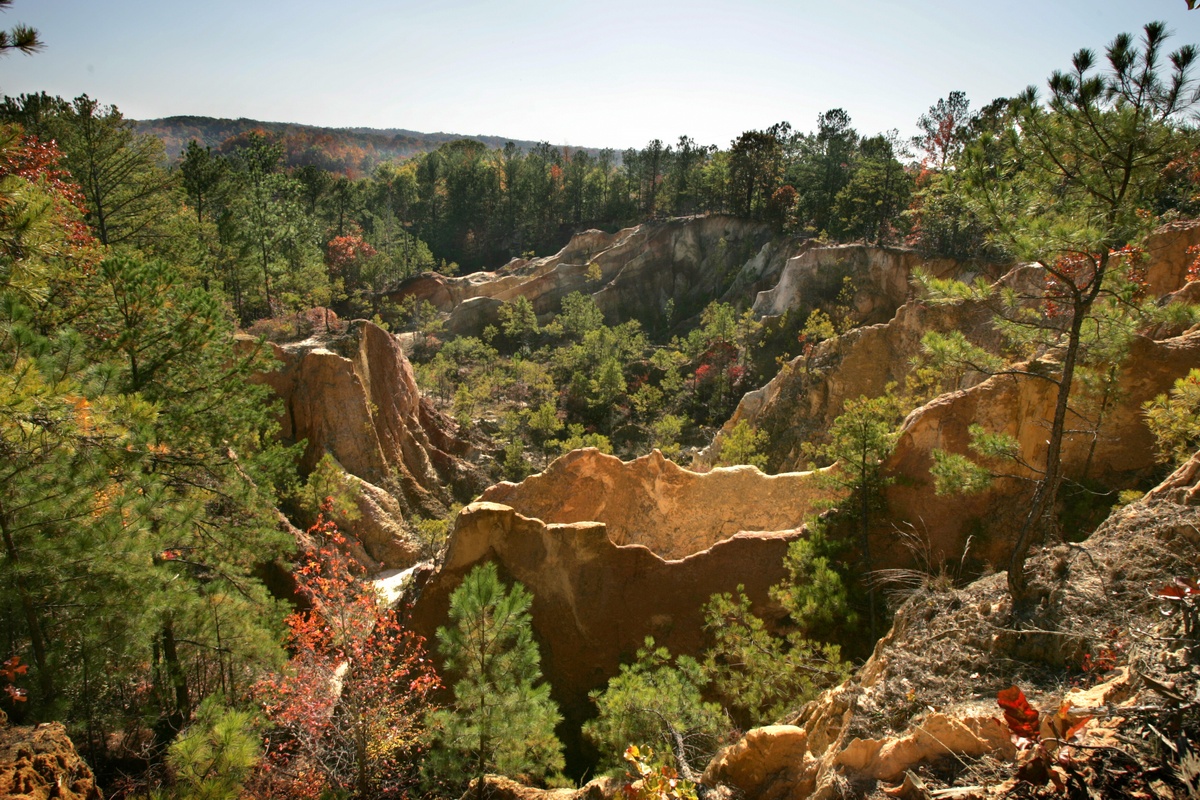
[(879, 276), (622, 553), (632, 274), (1119, 453), (355, 398), (654, 502), (801, 403)]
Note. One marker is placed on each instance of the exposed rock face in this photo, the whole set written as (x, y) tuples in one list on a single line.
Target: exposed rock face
[(356, 398), (658, 504), (380, 529), (887, 759), (771, 763), (880, 276), (40, 762), (800, 403), (1118, 456), (597, 594), (952, 650), (635, 272), (498, 787), (1168, 258)]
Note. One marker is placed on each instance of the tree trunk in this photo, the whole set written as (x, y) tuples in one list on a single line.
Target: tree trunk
[(1042, 503), (267, 280), (362, 757), (865, 519), (175, 668), (37, 639)]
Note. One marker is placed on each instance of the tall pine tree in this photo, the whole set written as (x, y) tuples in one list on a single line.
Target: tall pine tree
[(501, 719)]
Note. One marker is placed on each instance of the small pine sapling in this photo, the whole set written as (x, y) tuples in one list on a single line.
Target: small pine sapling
[(860, 440), (502, 719), (743, 445), (761, 677), (656, 699), (1175, 420), (213, 757)]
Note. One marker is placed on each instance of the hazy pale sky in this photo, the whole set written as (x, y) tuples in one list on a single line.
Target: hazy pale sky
[(598, 74)]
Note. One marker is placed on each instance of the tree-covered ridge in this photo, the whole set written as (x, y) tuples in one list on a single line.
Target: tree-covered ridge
[(483, 199), (351, 151), (479, 201), (284, 224)]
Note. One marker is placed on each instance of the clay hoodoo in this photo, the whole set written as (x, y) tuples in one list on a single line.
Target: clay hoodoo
[(355, 398)]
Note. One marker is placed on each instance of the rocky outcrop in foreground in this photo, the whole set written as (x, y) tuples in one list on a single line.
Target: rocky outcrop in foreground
[(923, 708), (355, 398), (632, 274), (40, 763), (602, 573)]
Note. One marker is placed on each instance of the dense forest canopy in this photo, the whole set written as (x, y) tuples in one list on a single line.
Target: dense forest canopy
[(266, 203)]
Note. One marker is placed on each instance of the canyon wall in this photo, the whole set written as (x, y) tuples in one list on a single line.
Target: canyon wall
[(632, 274), (803, 400), (621, 551)]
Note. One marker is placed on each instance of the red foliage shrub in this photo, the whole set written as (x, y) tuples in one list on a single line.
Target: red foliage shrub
[(350, 707)]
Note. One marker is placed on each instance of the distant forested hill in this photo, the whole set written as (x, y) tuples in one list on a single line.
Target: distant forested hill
[(346, 150)]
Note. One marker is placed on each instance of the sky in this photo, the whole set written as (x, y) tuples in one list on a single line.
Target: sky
[(599, 74)]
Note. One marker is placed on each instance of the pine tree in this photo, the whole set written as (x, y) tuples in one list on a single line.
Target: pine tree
[(21, 37), (760, 677), (657, 700), (519, 322), (860, 439), (1175, 420), (136, 467), (743, 445), (1067, 186), (213, 757), (500, 720)]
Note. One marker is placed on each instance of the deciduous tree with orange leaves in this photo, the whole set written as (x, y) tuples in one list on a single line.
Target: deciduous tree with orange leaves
[(350, 706)]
